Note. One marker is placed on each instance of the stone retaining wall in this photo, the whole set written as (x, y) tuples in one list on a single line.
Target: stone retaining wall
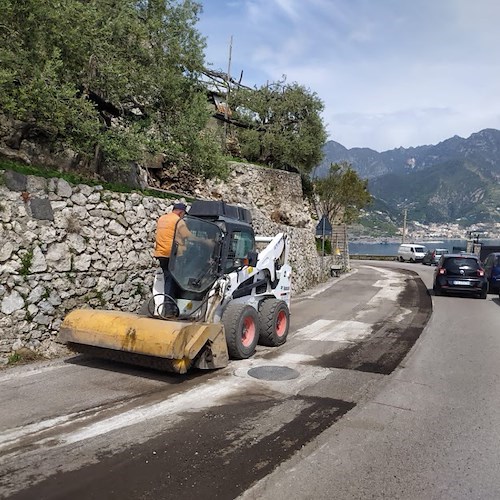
[(64, 246)]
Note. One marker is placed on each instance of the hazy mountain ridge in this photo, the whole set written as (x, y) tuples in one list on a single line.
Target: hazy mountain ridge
[(457, 179)]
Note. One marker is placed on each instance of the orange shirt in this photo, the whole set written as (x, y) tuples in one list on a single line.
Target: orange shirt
[(165, 231)]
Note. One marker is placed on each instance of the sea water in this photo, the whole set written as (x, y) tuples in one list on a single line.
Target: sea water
[(391, 248)]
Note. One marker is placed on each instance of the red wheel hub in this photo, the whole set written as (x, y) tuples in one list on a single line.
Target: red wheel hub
[(281, 324), (249, 331)]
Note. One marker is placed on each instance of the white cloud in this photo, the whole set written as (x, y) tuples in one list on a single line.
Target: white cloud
[(390, 73)]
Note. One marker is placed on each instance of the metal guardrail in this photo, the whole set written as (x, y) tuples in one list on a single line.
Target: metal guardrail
[(372, 257)]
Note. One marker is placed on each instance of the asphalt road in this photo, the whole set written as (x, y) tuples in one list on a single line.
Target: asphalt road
[(432, 432), (339, 411)]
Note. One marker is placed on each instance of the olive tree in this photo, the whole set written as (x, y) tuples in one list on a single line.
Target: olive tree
[(112, 80), (280, 125)]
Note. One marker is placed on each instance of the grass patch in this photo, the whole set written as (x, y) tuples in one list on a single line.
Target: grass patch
[(139, 289), (99, 295), (26, 261), (72, 178), (23, 356), (14, 358), (45, 172)]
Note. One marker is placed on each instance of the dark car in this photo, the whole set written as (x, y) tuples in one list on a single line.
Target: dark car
[(492, 271), (431, 258), (460, 273)]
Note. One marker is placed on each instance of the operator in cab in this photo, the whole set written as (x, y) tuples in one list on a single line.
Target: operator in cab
[(166, 228)]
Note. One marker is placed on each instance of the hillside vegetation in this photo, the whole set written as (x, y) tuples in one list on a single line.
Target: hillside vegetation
[(456, 180), (109, 84)]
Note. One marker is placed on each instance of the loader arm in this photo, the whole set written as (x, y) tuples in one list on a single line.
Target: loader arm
[(274, 255)]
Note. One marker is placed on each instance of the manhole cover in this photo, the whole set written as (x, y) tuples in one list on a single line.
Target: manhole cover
[(273, 373)]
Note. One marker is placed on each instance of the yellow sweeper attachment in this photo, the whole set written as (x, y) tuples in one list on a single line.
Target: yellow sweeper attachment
[(167, 345)]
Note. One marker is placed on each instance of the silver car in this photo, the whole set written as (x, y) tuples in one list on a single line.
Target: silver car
[(431, 258)]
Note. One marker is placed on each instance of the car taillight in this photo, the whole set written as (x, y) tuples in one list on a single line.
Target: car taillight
[(442, 270), (480, 272)]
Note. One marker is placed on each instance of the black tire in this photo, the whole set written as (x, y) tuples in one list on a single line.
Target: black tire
[(437, 291), (483, 294), (274, 322), (241, 324), (412, 260)]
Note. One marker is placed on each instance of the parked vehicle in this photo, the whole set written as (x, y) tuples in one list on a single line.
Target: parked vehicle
[(431, 258), (460, 273), (492, 271), (410, 252)]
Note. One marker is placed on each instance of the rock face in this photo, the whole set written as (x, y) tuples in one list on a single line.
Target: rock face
[(65, 246)]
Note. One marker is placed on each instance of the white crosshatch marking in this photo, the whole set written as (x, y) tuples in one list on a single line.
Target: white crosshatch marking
[(334, 331)]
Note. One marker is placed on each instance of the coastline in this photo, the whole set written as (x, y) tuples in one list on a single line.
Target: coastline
[(387, 248)]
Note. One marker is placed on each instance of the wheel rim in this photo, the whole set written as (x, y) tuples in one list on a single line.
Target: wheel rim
[(281, 324), (248, 333)]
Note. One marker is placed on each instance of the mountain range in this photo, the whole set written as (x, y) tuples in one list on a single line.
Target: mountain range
[(457, 180)]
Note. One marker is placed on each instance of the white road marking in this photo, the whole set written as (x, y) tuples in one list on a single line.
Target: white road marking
[(327, 285), (12, 435), (30, 372), (334, 330), (389, 290), (212, 393), (404, 312), (198, 398), (309, 331), (9, 437), (390, 287)]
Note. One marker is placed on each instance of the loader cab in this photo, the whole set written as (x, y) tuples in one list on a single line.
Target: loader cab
[(238, 245)]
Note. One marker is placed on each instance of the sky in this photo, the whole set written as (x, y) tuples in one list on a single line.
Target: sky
[(391, 73)]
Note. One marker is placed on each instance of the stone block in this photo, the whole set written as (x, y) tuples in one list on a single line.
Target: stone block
[(63, 188), (41, 209), (15, 181), (12, 302), (6, 251)]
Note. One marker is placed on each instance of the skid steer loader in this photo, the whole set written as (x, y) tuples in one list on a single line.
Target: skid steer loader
[(229, 296)]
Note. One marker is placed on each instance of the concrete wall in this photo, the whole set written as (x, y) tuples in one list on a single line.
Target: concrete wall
[(64, 246)]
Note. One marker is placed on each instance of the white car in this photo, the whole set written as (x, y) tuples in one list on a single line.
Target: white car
[(410, 252)]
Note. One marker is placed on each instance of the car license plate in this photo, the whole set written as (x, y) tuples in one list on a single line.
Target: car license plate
[(461, 283)]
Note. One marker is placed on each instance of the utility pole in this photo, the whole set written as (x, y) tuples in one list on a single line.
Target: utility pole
[(405, 214), (323, 237), (228, 84)]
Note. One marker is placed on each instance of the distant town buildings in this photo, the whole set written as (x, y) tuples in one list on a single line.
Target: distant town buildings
[(418, 232), (421, 232)]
